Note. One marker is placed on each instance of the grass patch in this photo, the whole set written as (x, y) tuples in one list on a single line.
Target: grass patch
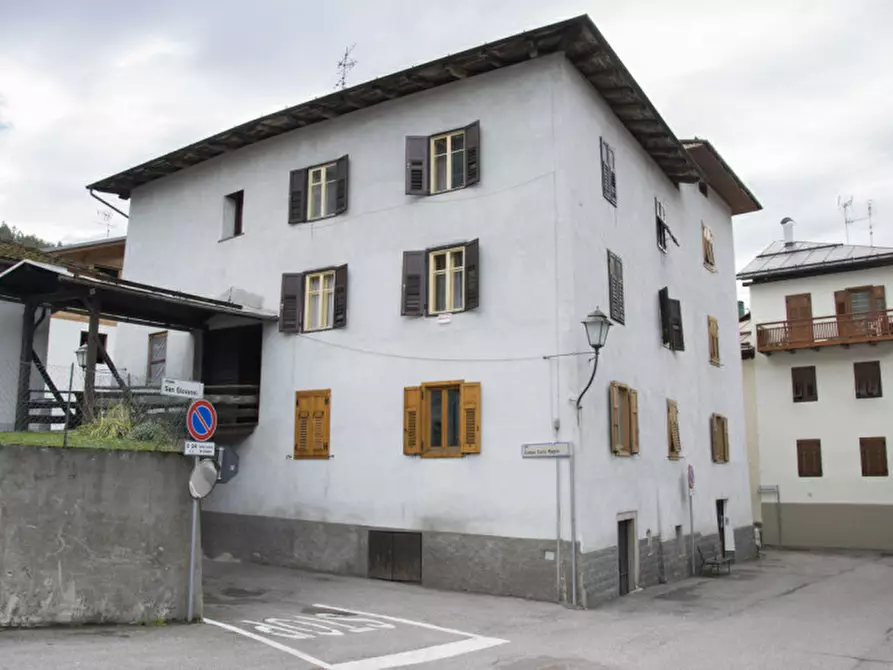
[(79, 440)]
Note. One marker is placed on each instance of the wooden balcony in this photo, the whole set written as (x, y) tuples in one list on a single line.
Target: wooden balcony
[(825, 331)]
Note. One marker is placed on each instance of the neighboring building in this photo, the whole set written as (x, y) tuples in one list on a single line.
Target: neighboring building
[(745, 330), (11, 323), (504, 192), (68, 330), (824, 342)]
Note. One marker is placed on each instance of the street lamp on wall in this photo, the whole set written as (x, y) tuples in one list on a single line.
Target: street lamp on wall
[(81, 355), (597, 325)]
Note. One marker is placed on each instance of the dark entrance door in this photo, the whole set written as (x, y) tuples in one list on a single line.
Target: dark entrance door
[(721, 524), (624, 532), (395, 556)]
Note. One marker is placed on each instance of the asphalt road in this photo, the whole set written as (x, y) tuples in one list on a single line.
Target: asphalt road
[(789, 610)]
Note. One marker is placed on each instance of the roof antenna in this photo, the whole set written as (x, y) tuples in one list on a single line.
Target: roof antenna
[(870, 227), (848, 219), (345, 65), (105, 219)]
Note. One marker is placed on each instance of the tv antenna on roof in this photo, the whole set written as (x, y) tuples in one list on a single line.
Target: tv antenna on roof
[(345, 65), (105, 219), (848, 220)]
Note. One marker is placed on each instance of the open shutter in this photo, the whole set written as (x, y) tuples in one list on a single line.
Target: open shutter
[(339, 299), (614, 403), (412, 301), (678, 338), (674, 444), (470, 418), (633, 421), (416, 165), (878, 299), (725, 439), (341, 168), (297, 204), (663, 297), (291, 303), (842, 307), (472, 276), (615, 287), (716, 438), (303, 425), (320, 418), (472, 153), (412, 420), (713, 338)]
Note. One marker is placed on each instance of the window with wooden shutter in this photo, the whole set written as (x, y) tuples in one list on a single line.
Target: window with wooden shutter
[(867, 377), (873, 451), (414, 287), (472, 153), (713, 339), (443, 162), (707, 243), (442, 419), (417, 165), (809, 458), (297, 209), (441, 280), (624, 410), (291, 303), (803, 384), (319, 191), (674, 444), (615, 287), (312, 422), (339, 306), (719, 438), (609, 176), (672, 334)]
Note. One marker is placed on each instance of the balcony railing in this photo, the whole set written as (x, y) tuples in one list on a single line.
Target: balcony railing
[(824, 331)]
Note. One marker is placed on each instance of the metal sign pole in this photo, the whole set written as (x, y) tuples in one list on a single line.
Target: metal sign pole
[(691, 526), (190, 607)]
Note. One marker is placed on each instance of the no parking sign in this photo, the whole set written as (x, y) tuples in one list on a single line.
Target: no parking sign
[(201, 420)]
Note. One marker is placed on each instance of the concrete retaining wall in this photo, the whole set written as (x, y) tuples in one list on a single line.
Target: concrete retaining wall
[(90, 536), (829, 526)]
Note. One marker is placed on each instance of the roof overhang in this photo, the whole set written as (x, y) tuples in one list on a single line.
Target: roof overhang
[(64, 288), (577, 38), (722, 178)]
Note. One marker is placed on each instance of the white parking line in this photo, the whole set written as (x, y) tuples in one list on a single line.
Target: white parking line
[(471, 643)]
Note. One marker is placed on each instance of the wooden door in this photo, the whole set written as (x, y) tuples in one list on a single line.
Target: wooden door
[(623, 533), (799, 308), (381, 554), (407, 557)]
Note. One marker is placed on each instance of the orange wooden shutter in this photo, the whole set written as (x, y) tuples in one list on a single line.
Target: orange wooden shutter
[(716, 438), (412, 420), (614, 399), (725, 439), (470, 418), (633, 421), (320, 419), (303, 429), (673, 443), (312, 424)]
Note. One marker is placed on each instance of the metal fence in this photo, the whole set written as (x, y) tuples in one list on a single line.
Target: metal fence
[(55, 409)]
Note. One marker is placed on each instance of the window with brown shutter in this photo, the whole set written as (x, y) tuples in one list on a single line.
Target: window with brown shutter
[(312, 422), (443, 162), (314, 300), (873, 451), (624, 409), (609, 176), (707, 247), (803, 384), (319, 191), (809, 458), (671, 321), (674, 444), (713, 339), (615, 287), (719, 438), (441, 280), (868, 379), (442, 419)]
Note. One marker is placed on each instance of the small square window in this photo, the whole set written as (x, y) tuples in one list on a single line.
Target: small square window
[(803, 384), (233, 205), (446, 280), (448, 161), (319, 300), (868, 379), (322, 185)]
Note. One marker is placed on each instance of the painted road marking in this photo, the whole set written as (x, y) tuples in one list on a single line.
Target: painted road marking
[(328, 624)]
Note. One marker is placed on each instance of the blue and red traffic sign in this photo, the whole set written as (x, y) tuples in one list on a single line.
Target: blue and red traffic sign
[(201, 420)]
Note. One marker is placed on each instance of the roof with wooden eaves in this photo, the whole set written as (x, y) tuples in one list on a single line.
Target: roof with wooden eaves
[(583, 45)]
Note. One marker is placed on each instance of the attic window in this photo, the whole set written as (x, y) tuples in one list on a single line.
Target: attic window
[(702, 187)]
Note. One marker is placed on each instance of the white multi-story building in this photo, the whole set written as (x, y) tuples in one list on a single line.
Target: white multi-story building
[(823, 334), (432, 240)]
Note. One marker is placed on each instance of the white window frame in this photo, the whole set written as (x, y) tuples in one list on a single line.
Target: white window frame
[(663, 234), (320, 170), (324, 317), (449, 161), (448, 271)]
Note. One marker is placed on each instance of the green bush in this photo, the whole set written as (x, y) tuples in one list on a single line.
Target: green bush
[(114, 423), (149, 431)]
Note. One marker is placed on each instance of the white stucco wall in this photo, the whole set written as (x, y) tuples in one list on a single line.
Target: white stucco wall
[(64, 339), (543, 228), (838, 418), (650, 483), (10, 355), (751, 431)]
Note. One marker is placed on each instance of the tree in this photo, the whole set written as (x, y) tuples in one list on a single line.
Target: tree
[(12, 234)]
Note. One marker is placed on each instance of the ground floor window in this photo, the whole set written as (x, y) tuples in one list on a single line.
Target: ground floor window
[(442, 419)]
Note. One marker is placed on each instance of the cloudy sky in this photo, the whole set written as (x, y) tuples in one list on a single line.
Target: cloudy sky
[(797, 99)]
